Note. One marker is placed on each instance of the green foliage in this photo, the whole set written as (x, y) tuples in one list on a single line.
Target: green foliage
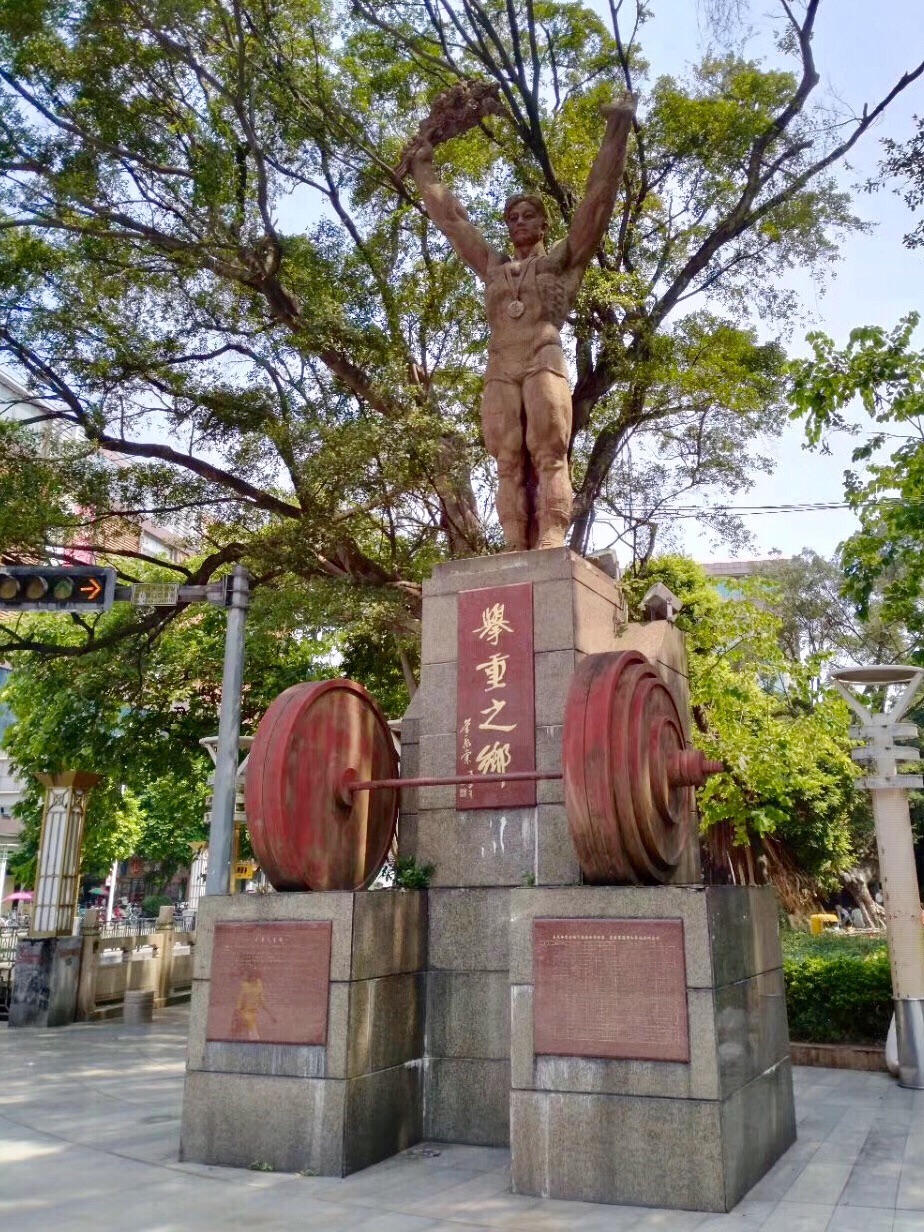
[(760, 710), (884, 560), (151, 905), (838, 989), (409, 875), (208, 267), (135, 715)]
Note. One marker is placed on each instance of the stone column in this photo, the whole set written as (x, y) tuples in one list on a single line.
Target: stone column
[(166, 939), (58, 880), (89, 962)]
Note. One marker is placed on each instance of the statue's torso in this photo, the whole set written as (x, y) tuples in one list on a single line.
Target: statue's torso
[(527, 303)]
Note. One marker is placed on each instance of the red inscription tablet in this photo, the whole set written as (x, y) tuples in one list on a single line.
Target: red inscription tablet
[(496, 709), (270, 982), (610, 988)]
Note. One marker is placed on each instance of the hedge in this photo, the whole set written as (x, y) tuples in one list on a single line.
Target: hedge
[(838, 989)]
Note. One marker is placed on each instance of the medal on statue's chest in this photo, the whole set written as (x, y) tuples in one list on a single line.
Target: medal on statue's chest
[(514, 273)]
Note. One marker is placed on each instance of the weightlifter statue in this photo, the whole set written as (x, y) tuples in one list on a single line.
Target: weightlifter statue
[(526, 405)]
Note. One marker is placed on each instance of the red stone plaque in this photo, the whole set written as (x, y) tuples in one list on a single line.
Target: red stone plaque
[(610, 988), (270, 983), (496, 708)]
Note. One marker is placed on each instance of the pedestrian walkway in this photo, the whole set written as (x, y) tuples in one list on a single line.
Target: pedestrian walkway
[(89, 1132)]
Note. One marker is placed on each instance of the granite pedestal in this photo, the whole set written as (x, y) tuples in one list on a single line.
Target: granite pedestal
[(479, 855), (430, 1020), (45, 978), (353, 1094), (694, 1133)]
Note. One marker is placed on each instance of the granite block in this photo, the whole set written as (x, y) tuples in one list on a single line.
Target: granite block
[(198, 1016), (597, 619), (617, 1149), (338, 1018), (383, 1115), (269, 1060), (554, 670), (437, 758), (435, 700), (478, 847), (408, 839), (467, 1100), (752, 1031), (556, 858), (758, 1125), (468, 1014), (687, 903), (386, 1023), (439, 629), (522, 1057), (548, 758), (468, 929), (553, 616), (45, 978), (333, 905), (389, 933), (235, 1120), (697, 1079), (506, 569), (744, 931)]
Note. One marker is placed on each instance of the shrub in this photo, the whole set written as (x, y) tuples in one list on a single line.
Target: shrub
[(838, 989), (151, 905), (409, 875)]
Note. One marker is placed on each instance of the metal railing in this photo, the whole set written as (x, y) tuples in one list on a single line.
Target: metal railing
[(129, 928), (9, 940)]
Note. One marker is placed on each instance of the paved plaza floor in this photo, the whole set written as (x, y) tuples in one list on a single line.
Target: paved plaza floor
[(89, 1131)]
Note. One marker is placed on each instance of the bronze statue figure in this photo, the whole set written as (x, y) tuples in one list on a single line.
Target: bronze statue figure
[(526, 405)]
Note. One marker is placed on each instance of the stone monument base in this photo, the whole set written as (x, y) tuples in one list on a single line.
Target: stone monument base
[(650, 1054), (45, 978), (306, 1031)]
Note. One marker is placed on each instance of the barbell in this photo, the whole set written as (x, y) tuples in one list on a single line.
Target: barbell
[(322, 779)]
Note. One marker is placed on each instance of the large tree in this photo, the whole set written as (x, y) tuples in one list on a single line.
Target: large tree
[(787, 791), (881, 371), (209, 269)]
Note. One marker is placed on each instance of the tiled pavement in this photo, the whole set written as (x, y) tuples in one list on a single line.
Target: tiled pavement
[(89, 1124)]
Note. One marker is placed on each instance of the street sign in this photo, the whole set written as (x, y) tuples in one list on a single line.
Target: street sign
[(155, 594), (54, 588)]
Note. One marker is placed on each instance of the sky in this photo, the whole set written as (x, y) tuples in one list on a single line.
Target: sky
[(860, 49)]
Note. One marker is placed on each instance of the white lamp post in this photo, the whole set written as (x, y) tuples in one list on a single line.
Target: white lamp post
[(889, 790)]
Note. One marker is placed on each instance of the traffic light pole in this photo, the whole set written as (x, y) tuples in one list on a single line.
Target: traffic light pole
[(221, 832)]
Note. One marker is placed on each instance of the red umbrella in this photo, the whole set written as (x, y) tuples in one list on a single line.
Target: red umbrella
[(20, 896)]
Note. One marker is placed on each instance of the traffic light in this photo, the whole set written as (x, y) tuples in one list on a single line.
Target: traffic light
[(40, 588)]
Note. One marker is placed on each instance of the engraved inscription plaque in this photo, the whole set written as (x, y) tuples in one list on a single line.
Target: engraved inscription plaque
[(496, 706), (610, 988), (269, 983)]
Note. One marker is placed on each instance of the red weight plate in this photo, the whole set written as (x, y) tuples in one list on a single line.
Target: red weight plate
[(628, 821), (306, 834)]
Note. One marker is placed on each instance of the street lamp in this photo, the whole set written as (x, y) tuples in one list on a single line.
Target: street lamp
[(880, 730)]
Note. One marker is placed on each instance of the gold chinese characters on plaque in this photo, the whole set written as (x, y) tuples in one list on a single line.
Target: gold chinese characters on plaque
[(496, 714)]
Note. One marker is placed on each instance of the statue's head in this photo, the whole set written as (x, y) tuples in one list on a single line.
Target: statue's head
[(526, 219)]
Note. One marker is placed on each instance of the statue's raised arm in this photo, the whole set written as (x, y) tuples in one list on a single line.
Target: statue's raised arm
[(448, 212), (592, 216)]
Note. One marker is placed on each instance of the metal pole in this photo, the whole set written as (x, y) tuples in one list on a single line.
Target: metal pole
[(113, 878), (4, 854), (221, 832)]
